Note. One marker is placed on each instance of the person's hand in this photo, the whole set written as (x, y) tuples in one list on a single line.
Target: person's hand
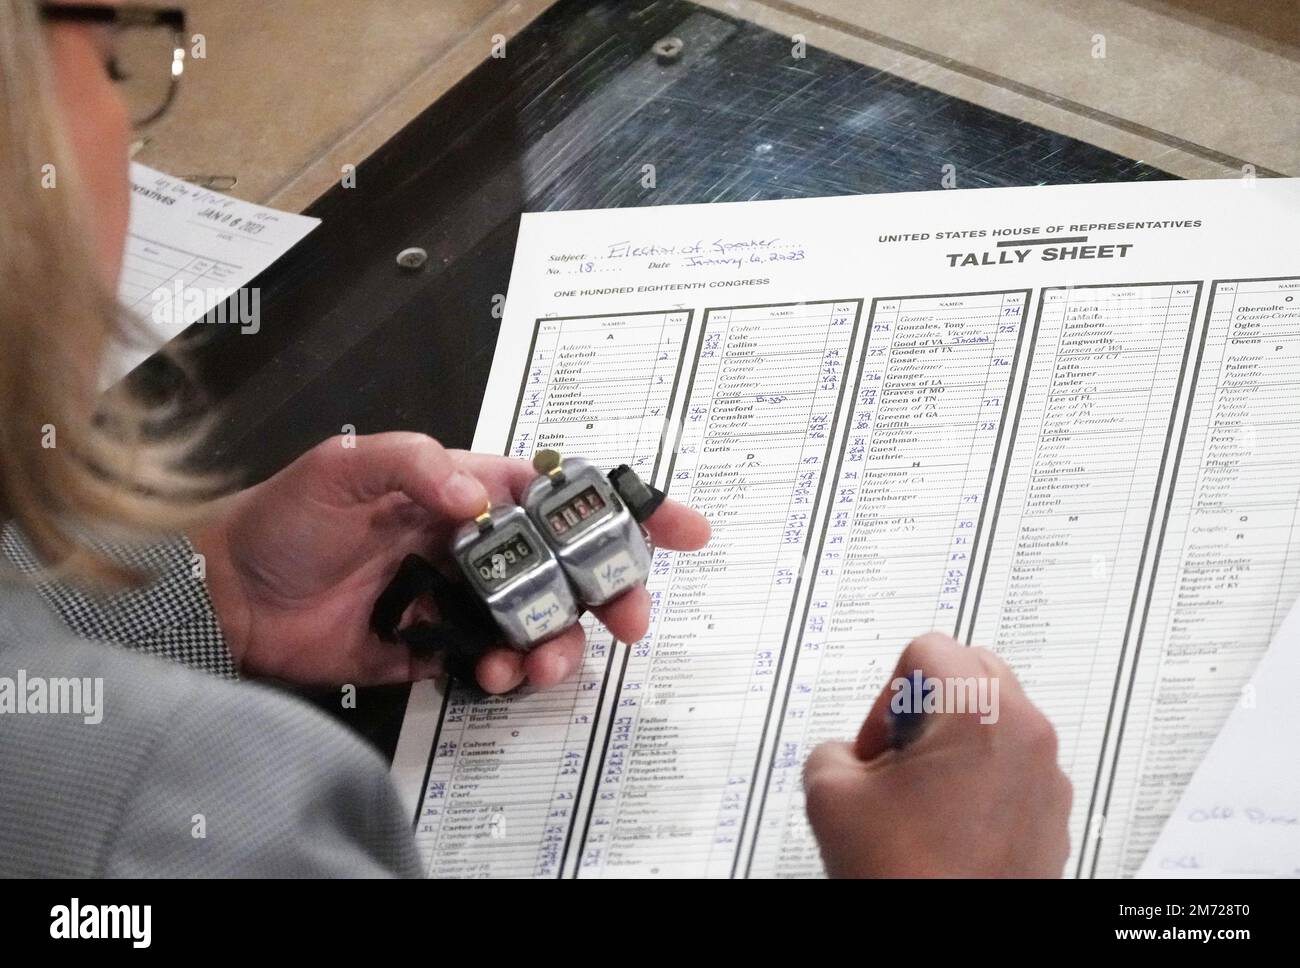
[(962, 799), (294, 564)]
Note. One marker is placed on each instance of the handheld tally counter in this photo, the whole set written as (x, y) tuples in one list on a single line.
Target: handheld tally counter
[(515, 574), (576, 541), (589, 528)]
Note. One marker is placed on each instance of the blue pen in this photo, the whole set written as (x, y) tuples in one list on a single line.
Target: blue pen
[(905, 726)]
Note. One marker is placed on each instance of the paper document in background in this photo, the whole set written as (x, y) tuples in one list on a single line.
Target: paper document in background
[(188, 249), (1240, 815), (1059, 421)]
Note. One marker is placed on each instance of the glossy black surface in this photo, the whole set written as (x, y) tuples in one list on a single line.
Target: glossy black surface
[(567, 120)]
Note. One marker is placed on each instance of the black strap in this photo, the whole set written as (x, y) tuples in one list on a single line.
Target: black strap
[(411, 581), (466, 629), (642, 499)]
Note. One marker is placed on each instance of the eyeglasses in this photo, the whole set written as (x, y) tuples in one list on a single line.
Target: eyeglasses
[(148, 50)]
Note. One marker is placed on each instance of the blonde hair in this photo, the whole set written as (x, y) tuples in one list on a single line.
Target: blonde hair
[(76, 468)]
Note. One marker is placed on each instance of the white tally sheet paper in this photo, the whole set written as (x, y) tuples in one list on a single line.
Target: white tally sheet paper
[(1058, 421), (1240, 815)]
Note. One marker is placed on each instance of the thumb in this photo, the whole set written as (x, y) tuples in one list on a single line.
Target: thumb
[(831, 775), (831, 763), (836, 782), (407, 463)]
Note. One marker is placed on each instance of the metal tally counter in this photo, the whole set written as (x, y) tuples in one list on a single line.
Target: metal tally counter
[(575, 541), (530, 570)]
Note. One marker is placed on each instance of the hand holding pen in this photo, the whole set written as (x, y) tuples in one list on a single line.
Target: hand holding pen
[(927, 790)]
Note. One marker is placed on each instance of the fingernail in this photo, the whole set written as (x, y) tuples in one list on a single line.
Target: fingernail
[(463, 489), (560, 668)]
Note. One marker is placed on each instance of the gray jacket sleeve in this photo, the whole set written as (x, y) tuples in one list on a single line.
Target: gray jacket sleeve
[(174, 773), (253, 784)]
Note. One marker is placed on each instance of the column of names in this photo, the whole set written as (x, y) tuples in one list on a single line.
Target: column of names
[(1059, 587), (1228, 566), (507, 771), (693, 696), (902, 525)]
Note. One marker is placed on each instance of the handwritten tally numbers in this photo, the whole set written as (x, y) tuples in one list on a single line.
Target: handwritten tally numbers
[(930, 403), (677, 771)]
